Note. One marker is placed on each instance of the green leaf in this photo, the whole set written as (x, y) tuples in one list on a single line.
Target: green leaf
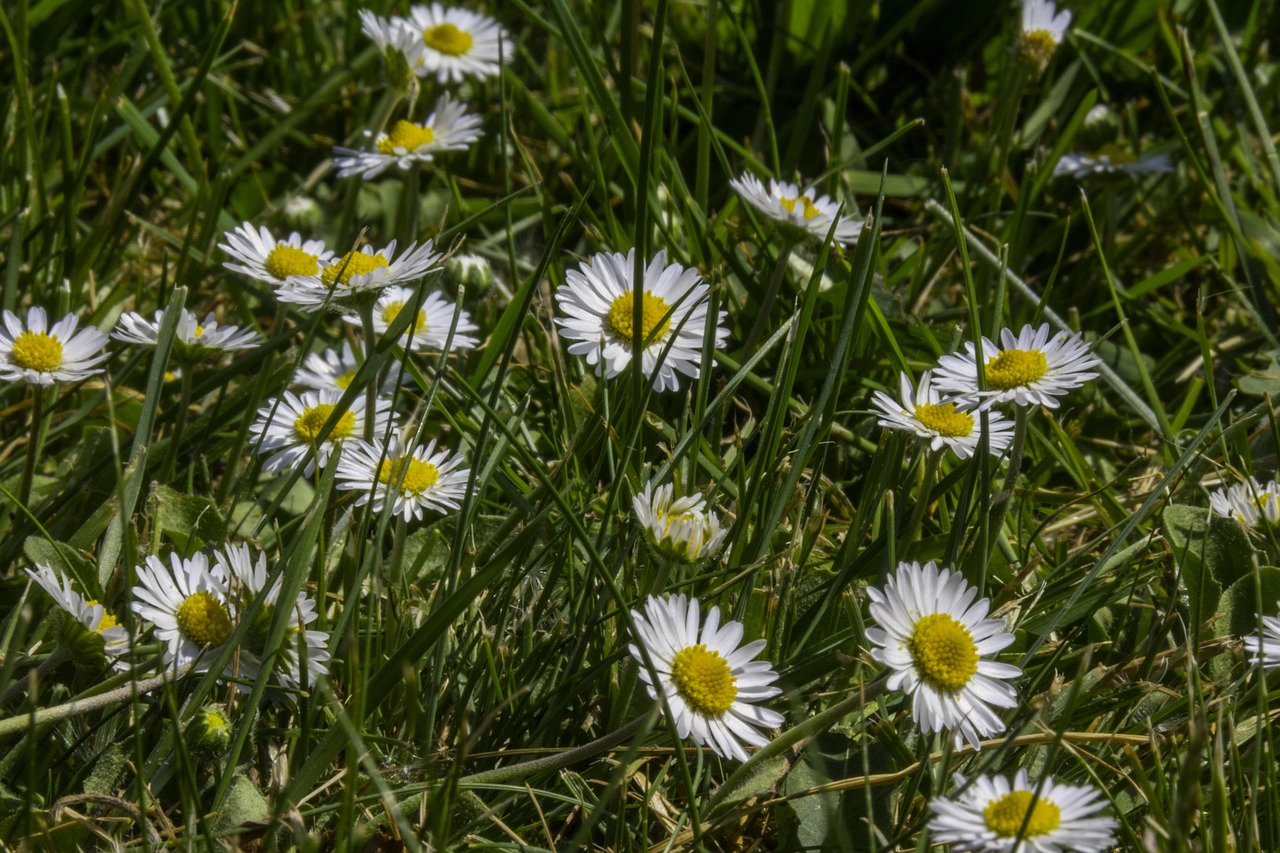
[(1240, 606), (190, 521), (1187, 528)]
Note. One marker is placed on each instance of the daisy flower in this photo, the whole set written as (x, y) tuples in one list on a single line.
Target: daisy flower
[(1265, 650), (40, 355), (192, 341), (261, 256), (430, 330), (1030, 368), (458, 43), (289, 427), (392, 34), (804, 209), (599, 304), (449, 128), (92, 631), (359, 275), (1111, 160), (246, 581), (945, 423), (683, 529), (1043, 28), (995, 814), (933, 637), (710, 682), (416, 478), (1249, 502), (187, 605), (334, 370)]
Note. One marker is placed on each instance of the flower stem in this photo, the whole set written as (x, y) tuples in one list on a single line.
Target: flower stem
[(34, 444), (1000, 509), (922, 499), (770, 296), (179, 424), (371, 390)]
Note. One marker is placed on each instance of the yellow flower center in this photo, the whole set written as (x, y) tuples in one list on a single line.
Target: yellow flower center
[(943, 419), (344, 381), (392, 311), (653, 310), (1115, 155), (37, 351), (204, 620), (107, 620), (199, 330), (407, 136), (703, 680), (1016, 368), (285, 260), (806, 205), (1038, 46), (308, 424), (448, 39), (1005, 816), (943, 651), (352, 263), (670, 520), (418, 475)]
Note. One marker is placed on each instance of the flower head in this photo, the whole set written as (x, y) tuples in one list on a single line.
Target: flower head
[(359, 276), (1029, 368), (430, 329), (192, 341), (290, 427), (261, 256), (188, 607), (1249, 502), (995, 814), (416, 478), (710, 683), (91, 630), (457, 43), (804, 209), (1265, 649), (334, 370), (449, 128), (39, 355), (933, 635), (1043, 28), (682, 529), (1111, 159), (599, 307), (944, 422)]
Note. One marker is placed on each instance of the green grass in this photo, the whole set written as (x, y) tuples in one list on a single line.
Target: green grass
[(133, 135)]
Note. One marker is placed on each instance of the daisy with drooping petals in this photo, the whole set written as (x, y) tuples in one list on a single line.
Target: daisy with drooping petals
[(246, 581), (261, 256), (1043, 28), (804, 209), (449, 128), (188, 607), (416, 478), (683, 529), (994, 814), (710, 683), (289, 427), (933, 635), (1112, 160), (430, 330), (599, 304), (192, 340), (458, 43), (359, 276), (1249, 502), (1033, 367), (925, 413), (92, 631), (39, 355)]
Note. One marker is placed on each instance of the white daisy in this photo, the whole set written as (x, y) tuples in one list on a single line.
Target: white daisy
[(1265, 650), (430, 330), (1111, 159), (933, 635), (332, 370), (417, 478), (289, 427), (246, 580), (994, 814), (1043, 28), (944, 422), (261, 256), (188, 607), (803, 209), (599, 303), (1249, 502), (95, 631), (192, 341), (458, 43), (359, 275), (1033, 367), (710, 682), (39, 355), (392, 34), (683, 529), (449, 128)]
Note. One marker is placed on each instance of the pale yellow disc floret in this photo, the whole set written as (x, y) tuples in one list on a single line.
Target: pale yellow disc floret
[(1006, 816), (943, 419), (418, 475), (392, 310), (703, 680), (806, 205), (1016, 368), (943, 651), (308, 424), (38, 351), (285, 260), (447, 39), (204, 620), (406, 136), (351, 264), (622, 315)]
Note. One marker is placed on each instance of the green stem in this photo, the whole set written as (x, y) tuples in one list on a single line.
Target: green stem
[(371, 390), (34, 444), (1000, 509), (179, 424), (46, 666), (770, 296), (12, 725), (922, 499)]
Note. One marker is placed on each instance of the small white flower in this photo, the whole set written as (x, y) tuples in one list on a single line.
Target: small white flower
[(430, 330), (710, 683), (90, 615), (417, 478), (599, 304), (683, 529), (392, 34), (1033, 367), (188, 607), (803, 209), (1111, 160), (39, 355), (193, 340), (449, 128), (934, 636), (994, 814), (358, 275), (458, 43), (261, 256), (944, 422), (332, 370), (1043, 28), (289, 427), (1265, 649), (1249, 502)]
